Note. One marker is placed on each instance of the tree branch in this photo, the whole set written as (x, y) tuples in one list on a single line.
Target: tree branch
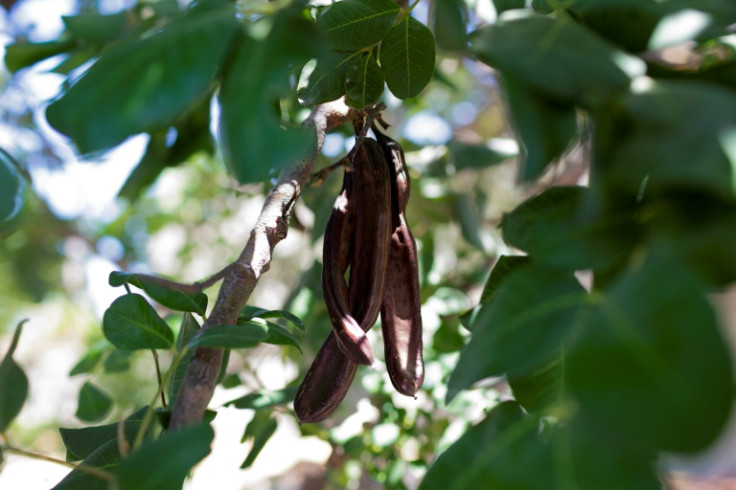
[(255, 259)]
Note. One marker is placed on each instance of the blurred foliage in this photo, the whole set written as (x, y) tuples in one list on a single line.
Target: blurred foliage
[(605, 377)]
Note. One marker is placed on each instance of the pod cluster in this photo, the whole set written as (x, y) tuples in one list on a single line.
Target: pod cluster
[(367, 235)]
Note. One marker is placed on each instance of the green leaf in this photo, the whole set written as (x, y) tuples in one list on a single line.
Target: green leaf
[(323, 79), (106, 458), (468, 216), (473, 156), (259, 429), (653, 359), (117, 361), (529, 323), (503, 5), (23, 54), (505, 266), (187, 331), (542, 6), (450, 25), (11, 198), (448, 338), (264, 399), (363, 80), (131, 323), (558, 227), (540, 390), (256, 142), (544, 129), (628, 23), (601, 459), (93, 403), (279, 335), (168, 297), (144, 85), (672, 136), (557, 58), (13, 384), (81, 443), (95, 28), (502, 451), (407, 57), (90, 359), (250, 312), (230, 336), (356, 24), (699, 232), (231, 380), (146, 469)]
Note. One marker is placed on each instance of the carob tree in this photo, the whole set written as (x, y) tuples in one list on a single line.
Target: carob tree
[(597, 313)]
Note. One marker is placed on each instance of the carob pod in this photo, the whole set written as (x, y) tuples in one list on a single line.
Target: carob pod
[(373, 226), (401, 319), (326, 383), (332, 372), (336, 255)]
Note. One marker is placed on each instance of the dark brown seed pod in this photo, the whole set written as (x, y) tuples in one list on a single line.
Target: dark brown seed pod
[(326, 383), (372, 233), (401, 319), (331, 374), (336, 254)]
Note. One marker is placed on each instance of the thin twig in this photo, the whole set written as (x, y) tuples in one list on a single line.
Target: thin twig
[(158, 377), (91, 470)]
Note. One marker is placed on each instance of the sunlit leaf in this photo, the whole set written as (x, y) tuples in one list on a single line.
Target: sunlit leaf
[(323, 79), (167, 296), (264, 399), (138, 85), (363, 80), (131, 323), (356, 24), (230, 336), (256, 142), (407, 57)]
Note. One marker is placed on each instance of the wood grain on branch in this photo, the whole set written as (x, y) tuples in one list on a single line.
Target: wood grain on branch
[(255, 259)]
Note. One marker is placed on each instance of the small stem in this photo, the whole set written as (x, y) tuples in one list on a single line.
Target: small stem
[(81, 467), (411, 7), (149, 413), (127, 288), (158, 378)]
